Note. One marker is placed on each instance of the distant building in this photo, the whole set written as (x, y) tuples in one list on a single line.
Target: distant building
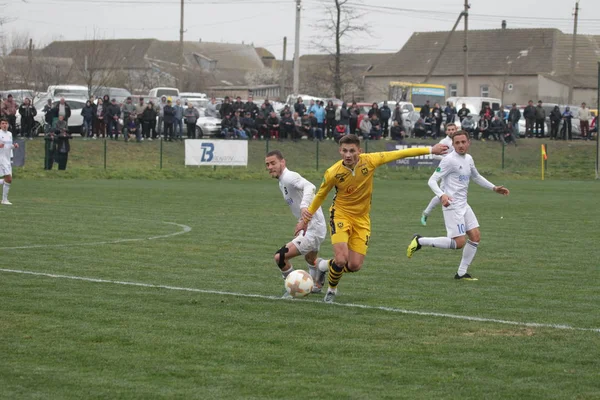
[(515, 65)]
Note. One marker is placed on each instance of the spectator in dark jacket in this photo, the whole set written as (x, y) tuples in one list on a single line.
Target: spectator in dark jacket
[(62, 147), (540, 120), (251, 107), (514, 116), (260, 124), (450, 112), (384, 115), (191, 115), (300, 107), (149, 121), (273, 125), (27, 112), (169, 120), (425, 110), (438, 118), (226, 107), (288, 126), (463, 113), (567, 124), (99, 119), (555, 118), (113, 112), (87, 112), (354, 113), (344, 117), (529, 115), (238, 105), (268, 108), (397, 131), (249, 125), (330, 118)]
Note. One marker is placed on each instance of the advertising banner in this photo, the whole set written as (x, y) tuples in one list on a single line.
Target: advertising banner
[(421, 161), (216, 152)]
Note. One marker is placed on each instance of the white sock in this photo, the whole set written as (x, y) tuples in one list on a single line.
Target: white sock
[(467, 257), (287, 272), (440, 242), (5, 189), (432, 204), (322, 264)]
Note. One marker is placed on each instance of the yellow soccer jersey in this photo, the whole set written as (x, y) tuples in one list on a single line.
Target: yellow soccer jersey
[(354, 187)]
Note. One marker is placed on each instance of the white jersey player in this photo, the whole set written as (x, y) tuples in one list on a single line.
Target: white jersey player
[(456, 171), (6, 148), (298, 194), (435, 201)]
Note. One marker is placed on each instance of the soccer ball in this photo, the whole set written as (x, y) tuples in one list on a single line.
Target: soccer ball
[(299, 283)]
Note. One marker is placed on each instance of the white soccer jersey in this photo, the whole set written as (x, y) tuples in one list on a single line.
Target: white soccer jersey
[(448, 142), (299, 193), (6, 152), (456, 171)]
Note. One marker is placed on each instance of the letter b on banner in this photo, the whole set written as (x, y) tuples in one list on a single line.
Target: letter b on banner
[(208, 150)]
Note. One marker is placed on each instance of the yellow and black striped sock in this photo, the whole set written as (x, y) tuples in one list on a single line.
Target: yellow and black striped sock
[(347, 270), (335, 274)]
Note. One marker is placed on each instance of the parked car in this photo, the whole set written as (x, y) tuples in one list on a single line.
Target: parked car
[(119, 94), (75, 122), (55, 92), (159, 92)]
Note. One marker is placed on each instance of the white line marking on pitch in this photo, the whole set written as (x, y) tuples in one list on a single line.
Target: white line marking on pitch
[(184, 229), (258, 296)]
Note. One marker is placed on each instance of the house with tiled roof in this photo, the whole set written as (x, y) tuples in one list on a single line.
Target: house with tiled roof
[(514, 64)]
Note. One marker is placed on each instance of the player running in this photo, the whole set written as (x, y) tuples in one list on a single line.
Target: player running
[(6, 147), (299, 193), (349, 220), (435, 201), (455, 171)]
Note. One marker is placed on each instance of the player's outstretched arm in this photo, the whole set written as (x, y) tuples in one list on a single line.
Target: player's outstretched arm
[(385, 157)]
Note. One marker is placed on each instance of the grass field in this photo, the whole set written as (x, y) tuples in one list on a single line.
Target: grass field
[(62, 338), (567, 160)]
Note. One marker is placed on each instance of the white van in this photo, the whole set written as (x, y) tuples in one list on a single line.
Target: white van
[(474, 104), (159, 92), (58, 91)]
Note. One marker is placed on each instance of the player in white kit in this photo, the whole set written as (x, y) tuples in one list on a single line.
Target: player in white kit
[(456, 171), (435, 201), (298, 194), (6, 147)]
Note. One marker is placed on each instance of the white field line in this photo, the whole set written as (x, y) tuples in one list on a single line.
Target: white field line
[(184, 229), (258, 296)]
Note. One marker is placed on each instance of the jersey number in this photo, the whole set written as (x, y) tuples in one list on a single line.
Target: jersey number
[(461, 228)]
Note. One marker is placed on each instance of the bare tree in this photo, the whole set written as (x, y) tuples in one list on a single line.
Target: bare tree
[(343, 21), (98, 63)]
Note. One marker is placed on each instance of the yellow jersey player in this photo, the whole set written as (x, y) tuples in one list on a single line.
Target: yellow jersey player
[(349, 221)]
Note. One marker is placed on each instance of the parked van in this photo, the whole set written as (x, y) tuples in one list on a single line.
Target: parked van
[(475, 104), (58, 91), (164, 91)]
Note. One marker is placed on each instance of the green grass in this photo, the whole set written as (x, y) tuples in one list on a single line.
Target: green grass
[(70, 339), (573, 160)]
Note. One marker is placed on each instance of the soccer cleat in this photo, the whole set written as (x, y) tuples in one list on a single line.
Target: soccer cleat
[(424, 220), (312, 271), (6, 203), (330, 296), (287, 296), (413, 246), (465, 277)]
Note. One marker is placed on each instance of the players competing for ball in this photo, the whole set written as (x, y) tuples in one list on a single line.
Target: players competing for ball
[(298, 194), (349, 221), (456, 171), (435, 201), (6, 147)]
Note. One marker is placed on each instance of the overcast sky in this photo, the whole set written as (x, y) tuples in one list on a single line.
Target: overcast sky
[(266, 22)]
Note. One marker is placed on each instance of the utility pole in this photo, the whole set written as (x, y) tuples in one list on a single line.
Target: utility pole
[(573, 51), (181, 49), (437, 58), (466, 50), (282, 94), (297, 49)]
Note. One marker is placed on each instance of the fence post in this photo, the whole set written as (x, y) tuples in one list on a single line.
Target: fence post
[(105, 154), (503, 146), (161, 152), (317, 141)]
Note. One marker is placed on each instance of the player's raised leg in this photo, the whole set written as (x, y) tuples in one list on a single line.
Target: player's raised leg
[(282, 260), (435, 201)]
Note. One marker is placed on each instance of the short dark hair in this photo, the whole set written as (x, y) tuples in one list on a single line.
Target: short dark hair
[(350, 139), (460, 133), (275, 153), (4, 120)]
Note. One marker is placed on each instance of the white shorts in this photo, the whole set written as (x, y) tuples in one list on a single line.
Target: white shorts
[(311, 241), (459, 222), (5, 169)]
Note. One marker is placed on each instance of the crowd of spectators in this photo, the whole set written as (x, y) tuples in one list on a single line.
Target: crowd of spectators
[(316, 120)]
